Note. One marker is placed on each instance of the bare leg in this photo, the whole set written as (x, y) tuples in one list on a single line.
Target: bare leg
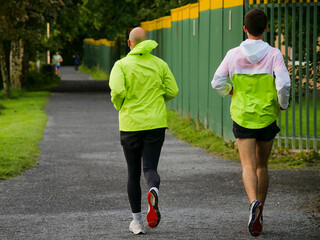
[(247, 152), (263, 150)]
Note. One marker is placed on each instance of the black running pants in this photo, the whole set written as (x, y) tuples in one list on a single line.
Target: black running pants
[(142, 145)]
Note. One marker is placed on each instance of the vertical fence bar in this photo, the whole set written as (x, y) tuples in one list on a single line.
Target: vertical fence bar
[(247, 7), (293, 83), (279, 46), (286, 62), (272, 25), (300, 73), (315, 40), (307, 75), (265, 9)]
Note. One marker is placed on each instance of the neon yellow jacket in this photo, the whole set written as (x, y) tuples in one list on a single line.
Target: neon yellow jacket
[(140, 85)]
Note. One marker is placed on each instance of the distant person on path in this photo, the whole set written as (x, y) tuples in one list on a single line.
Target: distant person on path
[(76, 60), (57, 59), (261, 87), (140, 85)]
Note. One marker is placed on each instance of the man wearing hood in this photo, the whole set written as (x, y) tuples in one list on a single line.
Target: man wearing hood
[(261, 87), (140, 85)]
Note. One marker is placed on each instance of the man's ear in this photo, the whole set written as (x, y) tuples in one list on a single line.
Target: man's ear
[(266, 29), (129, 43), (245, 29)]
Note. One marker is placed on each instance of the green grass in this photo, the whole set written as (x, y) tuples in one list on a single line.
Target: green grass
[(284, 158), (195, 134), (22, 122), (95, 73)]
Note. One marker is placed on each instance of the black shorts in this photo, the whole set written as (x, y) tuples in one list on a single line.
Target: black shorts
[(263, 134), (132, 140)]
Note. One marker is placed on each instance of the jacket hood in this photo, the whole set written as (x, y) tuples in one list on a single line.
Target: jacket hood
[(144, 47), (254, 50)]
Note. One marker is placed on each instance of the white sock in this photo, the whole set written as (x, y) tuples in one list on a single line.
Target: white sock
[(137, 216), (156, 189)]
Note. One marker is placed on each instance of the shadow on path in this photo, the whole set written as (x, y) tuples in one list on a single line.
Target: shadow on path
[(82, 86), (75, 81)]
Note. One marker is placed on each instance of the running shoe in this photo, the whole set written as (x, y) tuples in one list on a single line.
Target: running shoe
[(153, 215), (137, 227), (255, 224)]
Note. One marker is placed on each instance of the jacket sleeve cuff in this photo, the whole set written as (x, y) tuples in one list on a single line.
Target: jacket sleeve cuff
[(283, 88), (220, 85)]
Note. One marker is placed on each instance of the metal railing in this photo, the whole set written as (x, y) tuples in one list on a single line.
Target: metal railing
[(294, 29)]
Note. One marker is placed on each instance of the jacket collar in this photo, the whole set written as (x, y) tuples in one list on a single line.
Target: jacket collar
[(144, 47)]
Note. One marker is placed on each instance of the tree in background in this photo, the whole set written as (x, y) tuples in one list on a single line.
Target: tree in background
[(23, 28), (22, 24), (104, 19), (159, 8)]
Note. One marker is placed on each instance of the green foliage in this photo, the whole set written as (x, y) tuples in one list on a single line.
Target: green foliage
[(48, 69), (27, 20), (22, 123), (95, 73), (43, 80), (103, 19), (159, 8), (69, 26)]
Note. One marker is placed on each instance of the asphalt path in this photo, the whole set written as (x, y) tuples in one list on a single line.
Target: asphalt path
[(78, 189)]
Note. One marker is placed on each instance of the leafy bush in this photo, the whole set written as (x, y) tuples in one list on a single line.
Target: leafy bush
[(43, 80), (47, 69)]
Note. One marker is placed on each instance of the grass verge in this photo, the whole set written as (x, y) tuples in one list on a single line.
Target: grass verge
[(22, 122), (95, 73), (195, 134)]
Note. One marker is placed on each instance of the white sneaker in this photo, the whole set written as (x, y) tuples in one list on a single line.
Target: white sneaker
[(137, 227)]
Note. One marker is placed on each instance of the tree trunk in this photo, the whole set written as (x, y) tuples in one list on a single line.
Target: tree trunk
[(25, 65), (16, 57), (4, 70)]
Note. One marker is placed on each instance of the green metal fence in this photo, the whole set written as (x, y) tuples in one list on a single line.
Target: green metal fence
[(201, 34), (199, 43), (194, 39), (100, 54), (294, 29)]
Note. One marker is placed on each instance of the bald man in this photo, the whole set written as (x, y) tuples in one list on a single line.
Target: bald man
[(136, 36), (140, 85)]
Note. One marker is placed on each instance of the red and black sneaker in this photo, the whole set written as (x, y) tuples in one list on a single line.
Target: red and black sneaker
[(153, 215)]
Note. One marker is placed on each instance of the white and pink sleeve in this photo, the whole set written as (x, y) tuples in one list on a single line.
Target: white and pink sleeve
[(219, 81), (282, 80)]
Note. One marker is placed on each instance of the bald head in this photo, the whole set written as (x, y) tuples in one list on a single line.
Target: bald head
[(136, 36)]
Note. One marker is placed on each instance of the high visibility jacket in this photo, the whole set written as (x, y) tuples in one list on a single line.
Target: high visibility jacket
[(140, 85), (261, 83)]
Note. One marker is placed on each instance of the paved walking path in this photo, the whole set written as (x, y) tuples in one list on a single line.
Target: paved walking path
[(78, 190)]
